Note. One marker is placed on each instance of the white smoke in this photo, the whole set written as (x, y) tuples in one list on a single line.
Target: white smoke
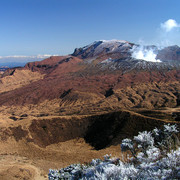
[(147, 54), (169, 25), (168, 35)]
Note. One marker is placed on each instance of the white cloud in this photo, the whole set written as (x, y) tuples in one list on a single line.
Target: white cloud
[(169, 25), (30, 57)]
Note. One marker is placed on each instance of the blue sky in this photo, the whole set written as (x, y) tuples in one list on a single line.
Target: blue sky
[(30, 27)]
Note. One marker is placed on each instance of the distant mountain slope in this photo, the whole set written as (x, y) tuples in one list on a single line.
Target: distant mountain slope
[(103, 75), (3, 69), (17, 79), (100, 48), (169, 53)]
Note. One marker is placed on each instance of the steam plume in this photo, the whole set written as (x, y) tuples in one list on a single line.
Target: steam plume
[(144, 53), (169, 35)]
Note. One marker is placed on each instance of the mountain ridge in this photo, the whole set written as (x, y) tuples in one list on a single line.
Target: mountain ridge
[(93, 71), (53, 110)]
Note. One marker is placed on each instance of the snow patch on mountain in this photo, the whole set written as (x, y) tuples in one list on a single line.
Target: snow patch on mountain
[(102, 47), (114, 41), (106, 61)]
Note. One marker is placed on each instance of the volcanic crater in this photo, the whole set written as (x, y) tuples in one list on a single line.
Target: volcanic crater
[(70, 109)]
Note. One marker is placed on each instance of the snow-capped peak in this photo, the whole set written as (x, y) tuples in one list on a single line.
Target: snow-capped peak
[(102, 46), (114, 41)]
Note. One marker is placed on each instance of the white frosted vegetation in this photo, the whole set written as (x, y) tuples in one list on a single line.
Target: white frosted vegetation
[(150, 159)]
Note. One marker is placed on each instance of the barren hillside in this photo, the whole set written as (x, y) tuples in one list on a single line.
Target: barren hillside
[(70, 109)]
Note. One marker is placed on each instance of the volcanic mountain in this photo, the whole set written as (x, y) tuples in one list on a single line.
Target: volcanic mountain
[(86, 101), (103, 75)]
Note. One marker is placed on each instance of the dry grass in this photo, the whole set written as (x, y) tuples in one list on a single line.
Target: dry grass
[(18, 79), (22, 155)]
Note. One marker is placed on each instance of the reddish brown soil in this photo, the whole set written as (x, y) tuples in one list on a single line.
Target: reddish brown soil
[(70, 74), (70, 111)]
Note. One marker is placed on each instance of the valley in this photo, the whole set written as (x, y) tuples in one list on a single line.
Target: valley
[(71, 109)]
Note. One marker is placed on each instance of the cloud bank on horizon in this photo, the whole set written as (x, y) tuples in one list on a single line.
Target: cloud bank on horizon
[(19, 60)]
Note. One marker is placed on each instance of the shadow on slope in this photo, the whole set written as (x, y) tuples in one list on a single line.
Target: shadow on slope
[(100, 131)]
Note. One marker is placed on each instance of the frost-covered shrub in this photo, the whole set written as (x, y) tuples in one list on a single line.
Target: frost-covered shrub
[(74, 171), (144, 140), (127, 144), (166, 138), (149, 160), (156, 143)]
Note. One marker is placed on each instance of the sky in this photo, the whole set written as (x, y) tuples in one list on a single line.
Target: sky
[(31, 27)]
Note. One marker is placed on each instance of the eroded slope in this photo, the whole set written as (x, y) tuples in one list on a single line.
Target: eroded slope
[(53, 110)]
